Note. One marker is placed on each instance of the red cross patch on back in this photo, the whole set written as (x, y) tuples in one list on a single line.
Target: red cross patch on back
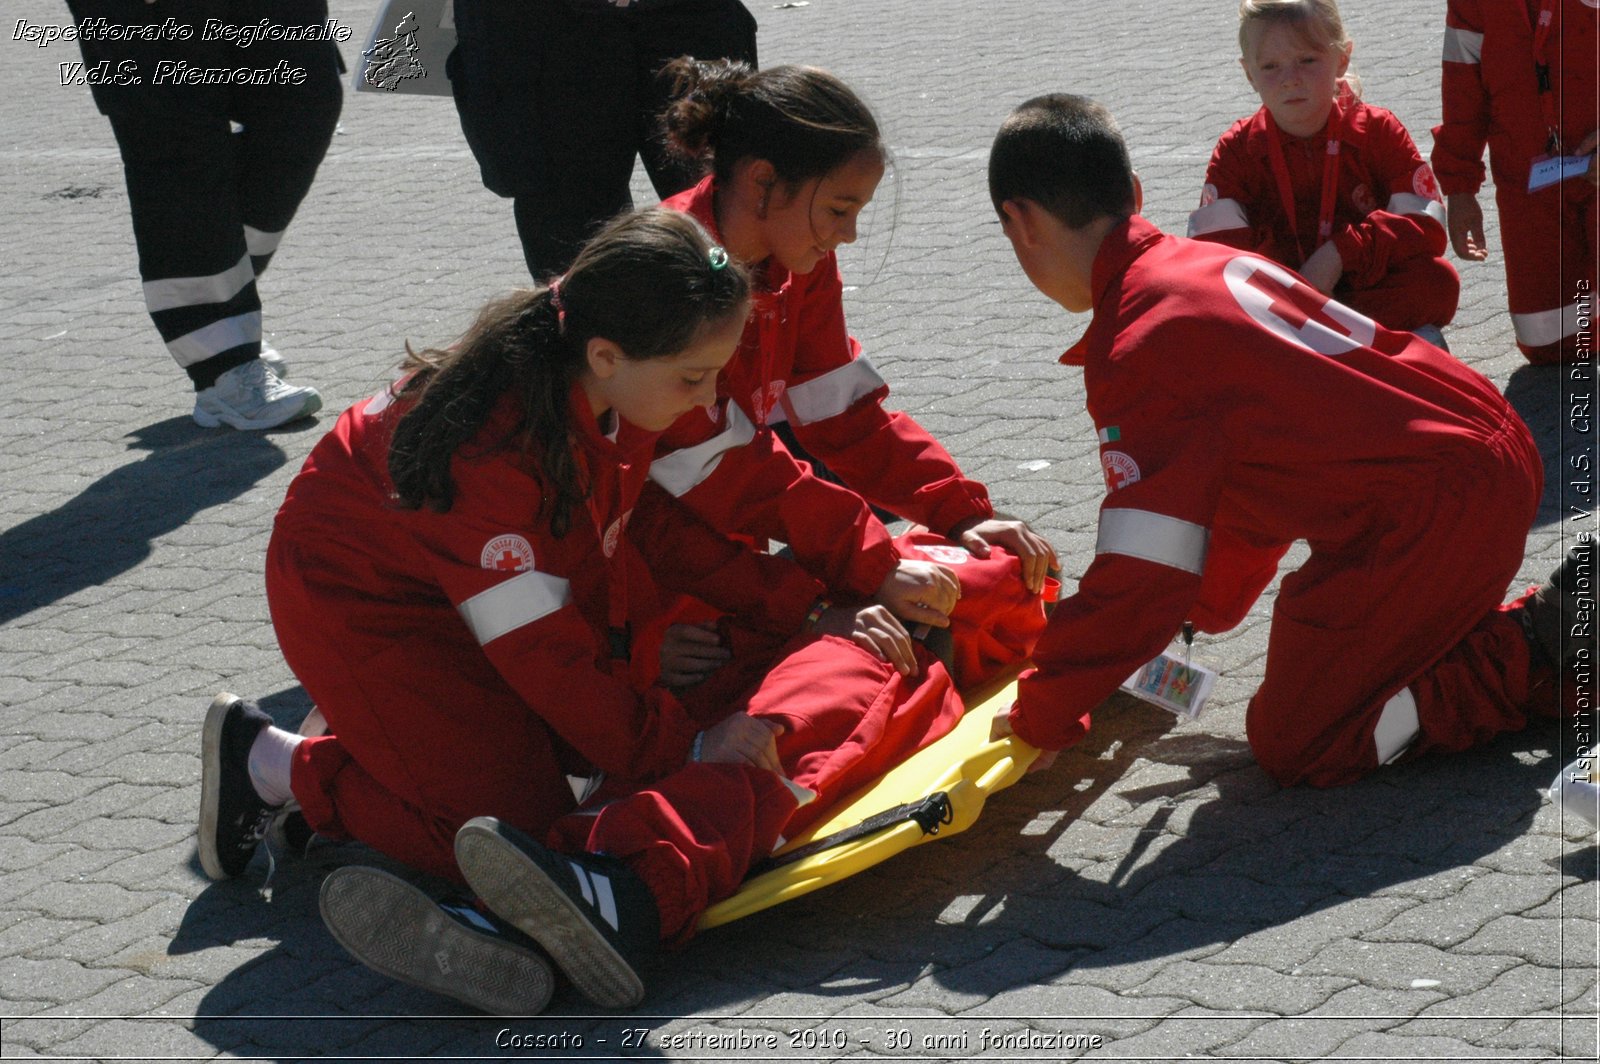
[(1286, 306)]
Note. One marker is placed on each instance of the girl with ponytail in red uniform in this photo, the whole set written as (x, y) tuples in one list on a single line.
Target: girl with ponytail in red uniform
[(793, 157), (455, 576)]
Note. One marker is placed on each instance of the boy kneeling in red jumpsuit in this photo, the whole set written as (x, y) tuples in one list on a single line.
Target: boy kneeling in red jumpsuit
[(454, 578), (1239, 410)]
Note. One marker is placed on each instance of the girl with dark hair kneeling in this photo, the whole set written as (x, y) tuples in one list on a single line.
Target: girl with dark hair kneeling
[(454, 579)]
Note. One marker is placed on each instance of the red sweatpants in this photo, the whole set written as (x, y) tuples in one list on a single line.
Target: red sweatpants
[(1415, 607), (847, 717), (1419, 291), (1551, 243)]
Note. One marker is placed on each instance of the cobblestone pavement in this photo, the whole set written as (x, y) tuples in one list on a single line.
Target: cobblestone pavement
[(1153, 897)]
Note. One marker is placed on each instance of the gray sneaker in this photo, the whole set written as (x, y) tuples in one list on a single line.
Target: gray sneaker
[(448, 948), (251, 396)]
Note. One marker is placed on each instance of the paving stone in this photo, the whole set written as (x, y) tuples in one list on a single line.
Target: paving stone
[(1449, 921), (1413, 964), (1153, 868)]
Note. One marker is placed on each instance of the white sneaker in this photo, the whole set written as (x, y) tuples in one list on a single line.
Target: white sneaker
[(252, 397), (1578, 795), (275, 361)]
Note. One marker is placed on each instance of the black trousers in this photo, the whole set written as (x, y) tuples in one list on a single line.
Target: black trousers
[(557, 99), (216, 171)]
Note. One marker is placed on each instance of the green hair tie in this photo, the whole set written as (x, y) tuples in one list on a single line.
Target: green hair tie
[(718, 257)]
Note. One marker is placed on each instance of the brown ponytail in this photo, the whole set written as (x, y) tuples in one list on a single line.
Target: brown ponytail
[(802, 120), (646, 282)]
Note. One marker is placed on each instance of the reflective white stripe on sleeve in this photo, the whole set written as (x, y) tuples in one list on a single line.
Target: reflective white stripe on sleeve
[(681, 471), (171, 292), (258, 242), (1462, 46), (378, 403), (1397, 726), (1411, 203), (832, 393), (1545, 326), (216, 338), (1217, 217), (1153, 537), (513, 603)]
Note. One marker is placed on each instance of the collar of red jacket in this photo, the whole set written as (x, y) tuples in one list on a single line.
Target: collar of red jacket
[(1121, 246), (699, 203), (631, 443)]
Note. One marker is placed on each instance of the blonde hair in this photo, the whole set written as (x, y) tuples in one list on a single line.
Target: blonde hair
[(1316, 21)]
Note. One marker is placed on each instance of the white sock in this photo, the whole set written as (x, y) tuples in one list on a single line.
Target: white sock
[(271, 756)]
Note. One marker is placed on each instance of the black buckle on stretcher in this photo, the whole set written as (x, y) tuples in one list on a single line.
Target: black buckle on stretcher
[(1542, 72), (929, 814), (621, 642)]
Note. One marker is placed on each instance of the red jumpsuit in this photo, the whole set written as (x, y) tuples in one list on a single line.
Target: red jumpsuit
[(796, 360), (469, 661), (1239, 410), (1493, 54), (1386, 218)]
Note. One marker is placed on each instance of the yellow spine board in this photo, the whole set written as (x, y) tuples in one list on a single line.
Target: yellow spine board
[(965, 764)]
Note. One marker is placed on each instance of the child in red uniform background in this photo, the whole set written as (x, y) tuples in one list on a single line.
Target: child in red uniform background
[(1324, 183), (1414, 484), (1519, 77), (453, 577)]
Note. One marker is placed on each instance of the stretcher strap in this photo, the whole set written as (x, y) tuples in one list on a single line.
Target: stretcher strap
[(930, 814)]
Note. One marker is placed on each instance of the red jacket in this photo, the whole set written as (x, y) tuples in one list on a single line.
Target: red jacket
[(1386, 210), (796, 355), (1491, 88), (1238, 410), (517, 615)]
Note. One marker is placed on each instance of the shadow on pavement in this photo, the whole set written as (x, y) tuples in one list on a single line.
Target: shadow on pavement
[(1192, 847), (1558, 404), (108, 528)]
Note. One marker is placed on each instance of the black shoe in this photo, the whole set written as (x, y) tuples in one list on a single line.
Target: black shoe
[(447, 947), (233, 818), (290, 833), (590, 913), (1551, 616)]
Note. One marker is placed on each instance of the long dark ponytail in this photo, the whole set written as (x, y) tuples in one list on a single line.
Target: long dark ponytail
[(648, 282)]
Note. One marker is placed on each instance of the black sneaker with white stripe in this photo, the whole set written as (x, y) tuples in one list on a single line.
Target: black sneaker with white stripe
[(447, 947), (590, 913), (233, 818)]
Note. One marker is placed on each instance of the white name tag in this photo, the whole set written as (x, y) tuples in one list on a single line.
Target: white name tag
[(1553, 169)]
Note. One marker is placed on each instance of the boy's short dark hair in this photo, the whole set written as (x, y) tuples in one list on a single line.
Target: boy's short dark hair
[(1066, 154)]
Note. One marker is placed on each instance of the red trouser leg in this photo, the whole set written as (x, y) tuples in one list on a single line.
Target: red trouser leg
[(846, 718), (1551, 240), (341, 800), (415, 752), (1411, 609), (690, 837), (1417, 292)]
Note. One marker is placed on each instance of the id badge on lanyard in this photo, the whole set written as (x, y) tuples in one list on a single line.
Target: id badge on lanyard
[(1330, 182)]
